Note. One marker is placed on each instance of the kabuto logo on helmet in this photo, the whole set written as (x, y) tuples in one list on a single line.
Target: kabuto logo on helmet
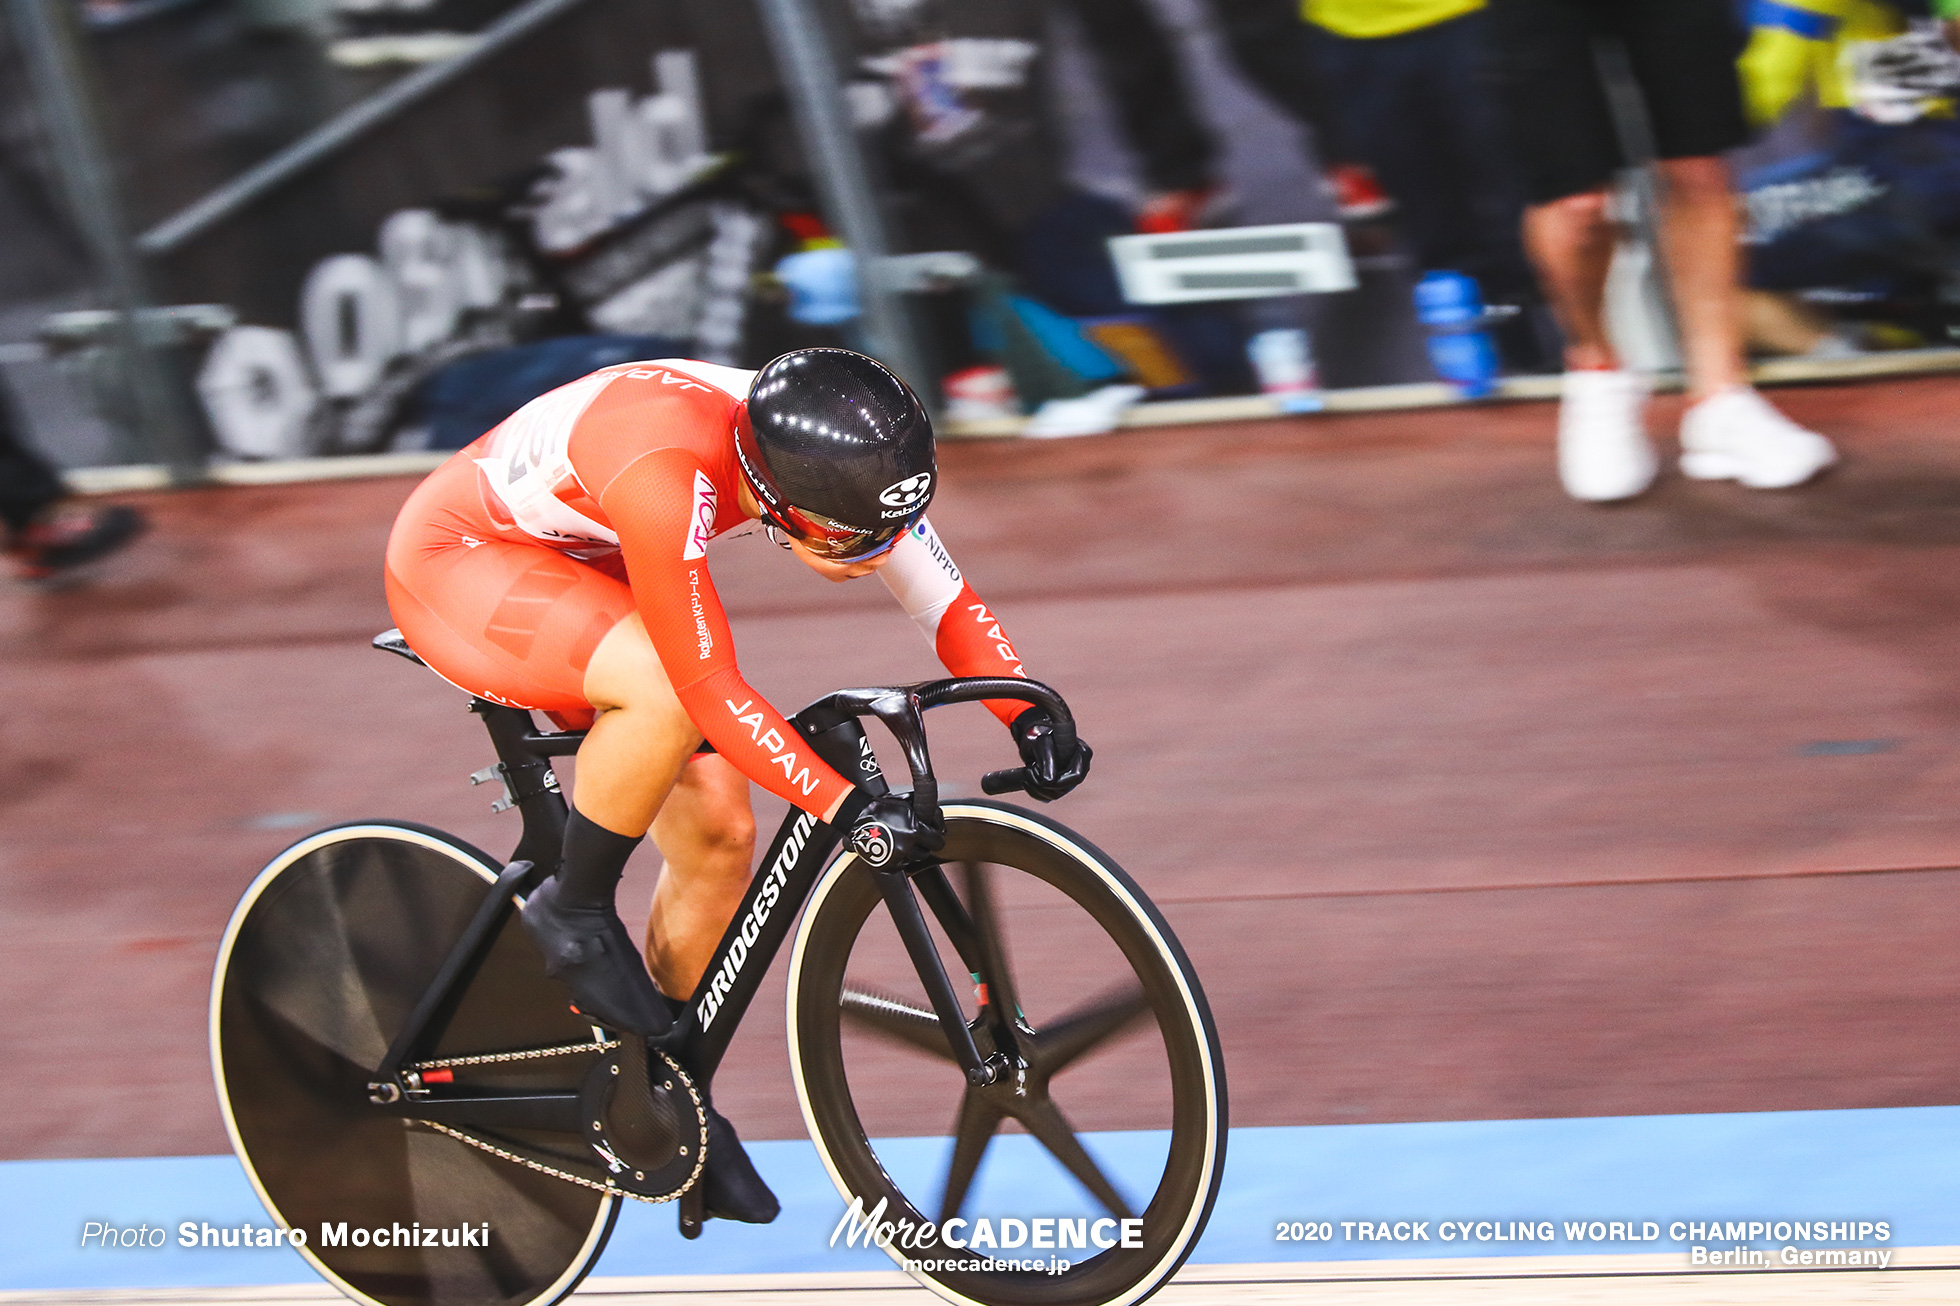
[(873, 842), (905, 493)]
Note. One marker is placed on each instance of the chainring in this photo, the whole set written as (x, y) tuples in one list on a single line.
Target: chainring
[(645, 1121)]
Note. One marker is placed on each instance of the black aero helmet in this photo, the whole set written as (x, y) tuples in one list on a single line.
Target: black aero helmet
[(837, 451)]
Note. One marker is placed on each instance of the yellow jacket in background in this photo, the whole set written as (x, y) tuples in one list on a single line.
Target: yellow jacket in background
[(1364, 19), (1796, 46)]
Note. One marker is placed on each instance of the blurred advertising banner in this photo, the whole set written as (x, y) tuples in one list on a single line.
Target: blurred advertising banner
[(576, 183), (557, 186), (562, 184)]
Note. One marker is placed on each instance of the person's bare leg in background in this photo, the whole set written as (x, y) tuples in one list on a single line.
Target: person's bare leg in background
[(1603, 450), (1700, 241), (1680, 56), (1571, 245)]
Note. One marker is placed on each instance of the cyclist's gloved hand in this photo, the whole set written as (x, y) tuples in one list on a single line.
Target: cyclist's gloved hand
[(889, 833), (1050, 773)]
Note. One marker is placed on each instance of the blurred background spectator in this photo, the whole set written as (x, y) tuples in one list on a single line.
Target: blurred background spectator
[(47, 535), (1853, 192), (1274, 48), (1410, 98), (1141, 73), (1681, 55)]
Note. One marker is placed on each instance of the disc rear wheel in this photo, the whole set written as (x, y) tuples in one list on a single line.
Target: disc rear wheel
[(325, 958)]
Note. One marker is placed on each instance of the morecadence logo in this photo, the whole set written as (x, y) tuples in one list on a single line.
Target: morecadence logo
[(984, 1244)]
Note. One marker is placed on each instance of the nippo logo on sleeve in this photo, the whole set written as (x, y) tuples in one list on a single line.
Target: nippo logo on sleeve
[(906, 493), (701, 521)]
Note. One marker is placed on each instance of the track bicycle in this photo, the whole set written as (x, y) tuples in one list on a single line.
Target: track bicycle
[(407, 1088)]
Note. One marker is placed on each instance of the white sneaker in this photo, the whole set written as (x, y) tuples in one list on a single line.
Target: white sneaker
[(1603, 450), (1737, 436)]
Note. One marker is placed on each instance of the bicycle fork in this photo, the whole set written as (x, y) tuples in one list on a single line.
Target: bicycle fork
[(832, 727), (896, 887)]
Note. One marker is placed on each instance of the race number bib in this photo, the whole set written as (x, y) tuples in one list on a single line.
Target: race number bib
[(529, 465)]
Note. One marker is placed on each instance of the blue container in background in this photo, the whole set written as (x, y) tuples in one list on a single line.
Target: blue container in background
[(1450, 307), (822, 285)]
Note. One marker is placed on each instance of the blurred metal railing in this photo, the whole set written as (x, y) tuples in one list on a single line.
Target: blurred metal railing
[(808, 66), (164, 420), (344, 129)]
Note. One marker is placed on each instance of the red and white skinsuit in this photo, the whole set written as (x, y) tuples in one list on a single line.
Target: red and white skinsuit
[(510, 563)]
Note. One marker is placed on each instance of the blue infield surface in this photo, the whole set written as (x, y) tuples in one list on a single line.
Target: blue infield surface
[(1899, 1166)]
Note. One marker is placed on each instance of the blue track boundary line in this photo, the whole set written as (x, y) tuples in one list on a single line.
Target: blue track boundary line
[(1898, 1166)]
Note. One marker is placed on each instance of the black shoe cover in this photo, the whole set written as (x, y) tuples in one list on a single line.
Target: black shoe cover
[(589, 950), (734, 1191)]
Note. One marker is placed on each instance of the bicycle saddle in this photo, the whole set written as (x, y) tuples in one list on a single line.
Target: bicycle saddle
[(391, 641)]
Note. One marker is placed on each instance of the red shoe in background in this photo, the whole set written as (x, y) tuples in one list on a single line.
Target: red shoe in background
[(1182, 210), (1358, 196), (69, 539)]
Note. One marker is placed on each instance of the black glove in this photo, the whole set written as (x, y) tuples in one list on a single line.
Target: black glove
[(889, 833), (1050, 772)]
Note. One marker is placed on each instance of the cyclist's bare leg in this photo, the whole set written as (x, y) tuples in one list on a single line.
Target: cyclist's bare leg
[(706, 831), (637, 761), (629, 761), (634, 752), (633, 766)]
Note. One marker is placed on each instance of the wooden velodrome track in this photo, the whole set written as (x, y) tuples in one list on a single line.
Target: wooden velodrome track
[(1467, 800)]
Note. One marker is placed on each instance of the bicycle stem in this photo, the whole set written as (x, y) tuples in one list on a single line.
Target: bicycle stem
[(902, 709)]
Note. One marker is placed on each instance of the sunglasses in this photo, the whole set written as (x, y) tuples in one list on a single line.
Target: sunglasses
[(834, 542)]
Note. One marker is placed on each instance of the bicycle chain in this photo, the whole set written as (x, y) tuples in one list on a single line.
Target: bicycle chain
[(527, 1162), (694, 1095), (528, 1054)]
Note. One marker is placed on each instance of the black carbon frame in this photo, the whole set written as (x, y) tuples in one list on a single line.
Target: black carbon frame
[(784, 881), (803, 845), (782, 884)]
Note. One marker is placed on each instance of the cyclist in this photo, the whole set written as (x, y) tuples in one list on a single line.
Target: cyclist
[(559, 564)]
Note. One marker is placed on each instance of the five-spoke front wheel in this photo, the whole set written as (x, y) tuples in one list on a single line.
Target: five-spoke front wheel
[(1086, 1172)]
